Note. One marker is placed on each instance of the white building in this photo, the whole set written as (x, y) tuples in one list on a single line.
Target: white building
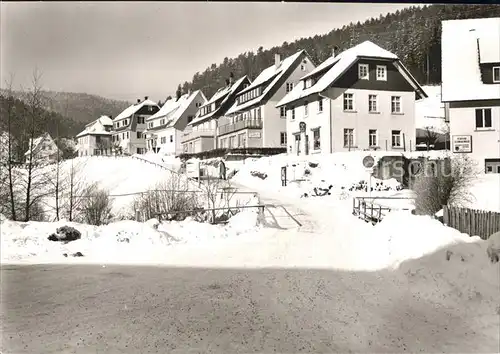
[(200, 133), (43, 150), (471, 88), (129, 126), (361, 99), (164, 129), (253, 120), (95, 139)]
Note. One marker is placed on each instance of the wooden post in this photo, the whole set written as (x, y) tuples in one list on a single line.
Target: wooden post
[(138, 215), (404, 142)]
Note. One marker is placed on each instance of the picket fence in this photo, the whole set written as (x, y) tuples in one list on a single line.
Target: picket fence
[(471, 221)]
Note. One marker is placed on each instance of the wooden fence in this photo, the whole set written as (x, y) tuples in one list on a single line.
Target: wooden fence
[(471, 221)]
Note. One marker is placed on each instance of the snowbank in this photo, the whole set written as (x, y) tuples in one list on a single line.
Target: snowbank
[(119, 242)]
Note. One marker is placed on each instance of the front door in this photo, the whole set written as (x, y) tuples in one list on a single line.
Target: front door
[(297, 143)]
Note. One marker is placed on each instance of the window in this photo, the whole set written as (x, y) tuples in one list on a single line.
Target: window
[(381, 72), (171, 138), (282, 112), (396, 104), (348, 102), (320, 105), (492, 165), (316, 139), (483, 118), (140, 120), (139, 135), (306, 109), (162, 121), (289, 86), (163, 140), (150, 125), (372, 103), (396, 138), (150, 108), (259, 114), (283, 138), (293, 113), (128, 135), (496, 74), (190, 118), (302, 67), (125, 122), (372, 137), (363, 73), (138, 150), (348, 137)]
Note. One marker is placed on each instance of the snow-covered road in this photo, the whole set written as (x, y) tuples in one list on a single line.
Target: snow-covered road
[(285, 289)]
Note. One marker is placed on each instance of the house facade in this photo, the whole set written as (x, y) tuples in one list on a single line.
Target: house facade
[(164, 129), (200, 133), (471, 89), (96, 138), (361, 99), (129, 126), (253, 120), (45, 150)]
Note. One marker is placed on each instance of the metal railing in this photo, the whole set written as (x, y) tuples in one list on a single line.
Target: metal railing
[(242, 124)]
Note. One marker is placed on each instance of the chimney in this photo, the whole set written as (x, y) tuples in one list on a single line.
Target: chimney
[(138, 100), (334, 51), (227, 82), (231, 78), (111, 117), (277, 59), (146, 98)]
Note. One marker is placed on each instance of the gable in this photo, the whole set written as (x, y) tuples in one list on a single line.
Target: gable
[(395, 81)]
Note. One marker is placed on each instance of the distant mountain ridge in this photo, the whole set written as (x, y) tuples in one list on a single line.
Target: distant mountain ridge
[(79, 107)]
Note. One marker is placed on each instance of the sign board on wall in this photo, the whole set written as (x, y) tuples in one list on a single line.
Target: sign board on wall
[(461, 143), (302, 127), (254, 135)]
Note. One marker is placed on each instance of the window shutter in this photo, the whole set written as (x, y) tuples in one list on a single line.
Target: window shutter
[(479, 118)]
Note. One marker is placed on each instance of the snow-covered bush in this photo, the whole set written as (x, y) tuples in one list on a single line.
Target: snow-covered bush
[(171, 199), (446, 182), (96, 208)]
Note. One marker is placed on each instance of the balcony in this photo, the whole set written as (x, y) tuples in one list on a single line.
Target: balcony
[(193, 134), (242, 124)]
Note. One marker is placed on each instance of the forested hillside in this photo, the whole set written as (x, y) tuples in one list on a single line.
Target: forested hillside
[(80, 107), (414, 34), (48, 121)]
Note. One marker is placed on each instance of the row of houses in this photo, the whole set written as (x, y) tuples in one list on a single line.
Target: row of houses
[(360, 99)]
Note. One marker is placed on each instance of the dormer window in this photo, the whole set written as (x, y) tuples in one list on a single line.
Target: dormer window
[(496, 74), (363, 73), (381, 73), (289, 86)]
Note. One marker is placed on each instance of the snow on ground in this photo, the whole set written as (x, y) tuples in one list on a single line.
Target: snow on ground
[(119, 242), (485, 192)]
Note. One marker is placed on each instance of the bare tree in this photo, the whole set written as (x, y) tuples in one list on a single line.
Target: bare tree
[(35, 182), (75, 191), (9, 153)]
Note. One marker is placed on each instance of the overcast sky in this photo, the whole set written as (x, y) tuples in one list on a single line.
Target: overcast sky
[(132, 49)]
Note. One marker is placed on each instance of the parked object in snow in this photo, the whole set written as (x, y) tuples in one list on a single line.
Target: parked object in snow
[(65, 234)]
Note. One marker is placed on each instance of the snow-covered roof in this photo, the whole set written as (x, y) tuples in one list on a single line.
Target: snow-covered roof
[(339, 64), (225, 93), (461, 74), (37, 142), (127, 112), (272, 74), (489, 48), (173, 109), (97, 127)]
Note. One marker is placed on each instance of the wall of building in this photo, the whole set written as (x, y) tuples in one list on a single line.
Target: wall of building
[(361, 120), (248, 138), (87, 145), (485, 142), (273, 123), (314, 119)]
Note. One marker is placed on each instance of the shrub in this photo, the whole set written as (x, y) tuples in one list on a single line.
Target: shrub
[(171, 199), (445, 182), (96, 207)]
